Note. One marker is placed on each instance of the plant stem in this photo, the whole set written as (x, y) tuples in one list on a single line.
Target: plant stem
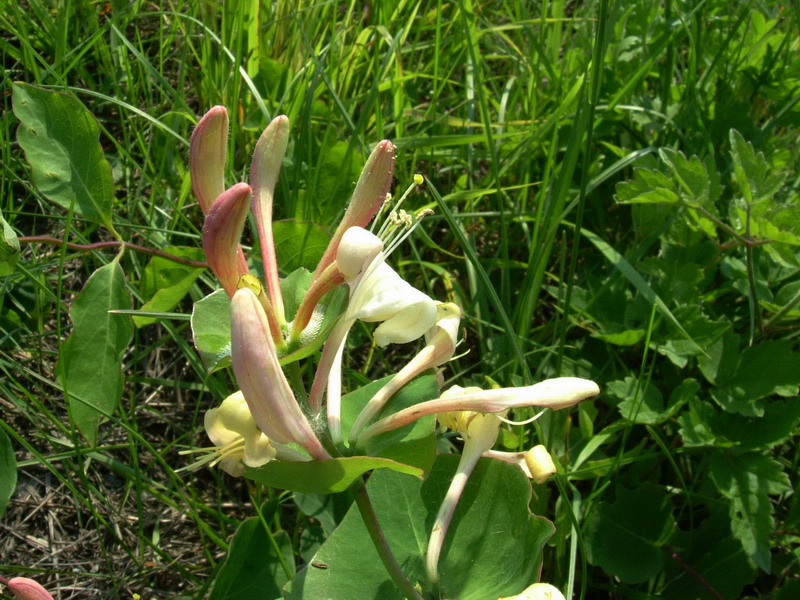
[(46, 239), (361, 497)]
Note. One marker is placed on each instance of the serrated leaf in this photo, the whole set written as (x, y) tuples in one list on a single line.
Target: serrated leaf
[(60, 139), (691, 175), (89, 363), (752, 173), (625, 537), (252, 569), (9, 247), (649, 186), (747, 480), (165, 282), (763, 370), (493, 532), (8, 471)]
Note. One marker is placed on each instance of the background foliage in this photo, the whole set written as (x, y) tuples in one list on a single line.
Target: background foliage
[(617, 199)]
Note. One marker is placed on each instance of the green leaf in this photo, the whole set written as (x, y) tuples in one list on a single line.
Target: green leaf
[(626, 537), (492, 533), (649, 186), (752, 173), (253, 568), (8, 471), (89, 364), (211, 328), (323, 476), (299, 244), (9, 247), (690, 174), (60, 139), (413, 444), (331, 185), (746, 481), (717, 560), (764, 369), (646, 406), (165, 282)]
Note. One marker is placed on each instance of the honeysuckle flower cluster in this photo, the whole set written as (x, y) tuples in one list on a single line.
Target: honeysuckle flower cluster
[(273, 419)]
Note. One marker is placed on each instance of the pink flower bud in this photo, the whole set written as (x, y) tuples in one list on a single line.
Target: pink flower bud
[(27, 589), (222, 231), (267, 160), (207, 151), (368, 197)]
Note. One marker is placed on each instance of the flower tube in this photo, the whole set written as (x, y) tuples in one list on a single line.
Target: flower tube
[(267, 159), (479, 433), (441, 344), (558, 393), (261, 379)]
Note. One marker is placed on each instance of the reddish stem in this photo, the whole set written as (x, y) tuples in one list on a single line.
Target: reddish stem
[(45, 239)]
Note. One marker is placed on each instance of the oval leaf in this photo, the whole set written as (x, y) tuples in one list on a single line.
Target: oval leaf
[(89, 363), (60, 139), (8, 471)]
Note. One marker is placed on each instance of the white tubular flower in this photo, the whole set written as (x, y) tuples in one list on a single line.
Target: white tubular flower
[(441, 345), (540, 464), (479, 432), (240, 442), (538, 591), (558, 393), (377, 294)]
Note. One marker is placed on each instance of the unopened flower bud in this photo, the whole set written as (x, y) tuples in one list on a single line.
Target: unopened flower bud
[(27, 589), (538, 591), (540, 464), (207, 151)]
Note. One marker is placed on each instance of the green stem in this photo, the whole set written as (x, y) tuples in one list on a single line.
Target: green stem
[(359, 493), (46, 239)]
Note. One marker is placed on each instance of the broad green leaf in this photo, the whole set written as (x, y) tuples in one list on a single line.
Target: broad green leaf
[(414, 444), (323, 476), (764, 369), (255, 567), (299, 244), (747, 480), (626, 537), (8, 471), (60, 139), (293, 288), (492, 533), (165, 282), (9, 247), (211, 328), (89, 364), (749, 433), (628, 337), (716, 558)]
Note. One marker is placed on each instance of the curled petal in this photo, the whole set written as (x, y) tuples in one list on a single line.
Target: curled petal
[(368, 197), (207, 151), (267, 159), (222, 231), (382, 295), (24, 588), (261, 379)]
